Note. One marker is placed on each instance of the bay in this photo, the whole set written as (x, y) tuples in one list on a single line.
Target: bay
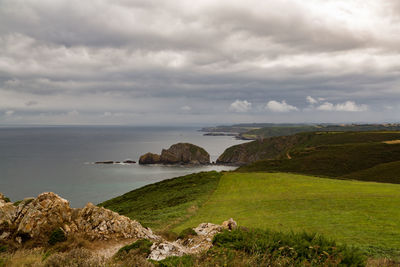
[(59, 159)]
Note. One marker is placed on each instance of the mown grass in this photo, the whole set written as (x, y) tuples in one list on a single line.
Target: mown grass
[(168, 202), (352, 212)]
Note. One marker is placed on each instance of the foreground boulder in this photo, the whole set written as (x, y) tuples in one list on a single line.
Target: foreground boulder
[(37, 217), (181, 153)]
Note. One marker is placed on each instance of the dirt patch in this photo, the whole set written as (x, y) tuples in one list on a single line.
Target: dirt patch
[(392, 142)]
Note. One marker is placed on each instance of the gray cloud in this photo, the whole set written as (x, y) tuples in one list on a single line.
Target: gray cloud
[(130, 61)]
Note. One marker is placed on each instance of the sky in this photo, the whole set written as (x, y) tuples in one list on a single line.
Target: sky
[(205, 62)]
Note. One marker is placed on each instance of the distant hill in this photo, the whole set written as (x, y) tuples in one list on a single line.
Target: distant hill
[(345, 155), (254, 131)]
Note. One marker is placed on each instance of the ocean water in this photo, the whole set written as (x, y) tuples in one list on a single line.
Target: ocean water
[(59, 159)]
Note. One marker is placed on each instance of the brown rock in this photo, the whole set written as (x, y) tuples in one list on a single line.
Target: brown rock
[(229, 224), (42, 215), (185, 153), (149, 158)]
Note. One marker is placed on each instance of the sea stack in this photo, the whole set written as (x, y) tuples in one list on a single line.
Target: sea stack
[(181, 153)]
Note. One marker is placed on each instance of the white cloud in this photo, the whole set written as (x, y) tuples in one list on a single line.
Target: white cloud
[(349, 106), (186, 108), (240, 106), (277, 106), (73, 113), (311, 100), (9, 112), (326, 106)]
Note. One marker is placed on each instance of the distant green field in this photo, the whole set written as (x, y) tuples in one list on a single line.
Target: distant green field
[(365, 214)]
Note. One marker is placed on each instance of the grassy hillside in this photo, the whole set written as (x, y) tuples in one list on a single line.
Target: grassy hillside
[(282, 130), (385, 173), (332, 154), (352, 212), (168, 202)]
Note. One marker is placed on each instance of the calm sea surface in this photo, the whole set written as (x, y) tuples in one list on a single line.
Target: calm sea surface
[(58, 159)]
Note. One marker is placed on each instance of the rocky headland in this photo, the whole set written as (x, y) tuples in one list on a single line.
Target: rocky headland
[(35, 219), (181, 153)]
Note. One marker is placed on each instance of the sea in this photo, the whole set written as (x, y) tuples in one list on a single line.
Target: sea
[(61, 159)]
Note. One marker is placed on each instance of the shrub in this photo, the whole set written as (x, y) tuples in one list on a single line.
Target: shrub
[(76, 257), (186, 233), (3, 248), (184, 261), (57, 236), (141, 245), (301, 248)]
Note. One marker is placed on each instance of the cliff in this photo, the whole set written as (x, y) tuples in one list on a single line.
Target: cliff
[(268, 148)]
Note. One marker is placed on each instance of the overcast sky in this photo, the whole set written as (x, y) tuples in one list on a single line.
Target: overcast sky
[(146, 62)]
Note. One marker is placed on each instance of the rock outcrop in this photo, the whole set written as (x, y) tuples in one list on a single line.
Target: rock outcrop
[(149, 158), (38, 217), (189, 245), (181, 153)]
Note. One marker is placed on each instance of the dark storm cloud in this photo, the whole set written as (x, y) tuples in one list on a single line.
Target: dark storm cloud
[(94, 61)]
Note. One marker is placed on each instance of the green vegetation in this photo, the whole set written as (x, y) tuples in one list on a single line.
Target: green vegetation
[(168, 202), (264, 130), (384, 173), (186, 233), (331, 154), (277, 131), (282, 130), (57, 236), (351, 212), (300, 248), (142, 246), (271, 248)]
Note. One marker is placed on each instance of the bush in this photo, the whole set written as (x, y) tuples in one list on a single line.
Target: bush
[(300, 248), (3, 248), (186, 233), (76, 257), (142, 246), (57, 236), (184, 261)]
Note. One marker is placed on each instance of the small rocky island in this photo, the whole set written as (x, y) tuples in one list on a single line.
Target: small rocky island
[(181, 153)]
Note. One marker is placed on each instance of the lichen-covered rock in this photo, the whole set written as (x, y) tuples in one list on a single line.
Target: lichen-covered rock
[(164, 249), (38, 217), (100, 223), (149, 158), (42, 214)]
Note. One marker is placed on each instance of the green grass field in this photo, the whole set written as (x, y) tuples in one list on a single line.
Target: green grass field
[(164, 204), (365, 214)]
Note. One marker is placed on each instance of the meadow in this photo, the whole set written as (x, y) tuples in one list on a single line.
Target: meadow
[(358, 213)]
